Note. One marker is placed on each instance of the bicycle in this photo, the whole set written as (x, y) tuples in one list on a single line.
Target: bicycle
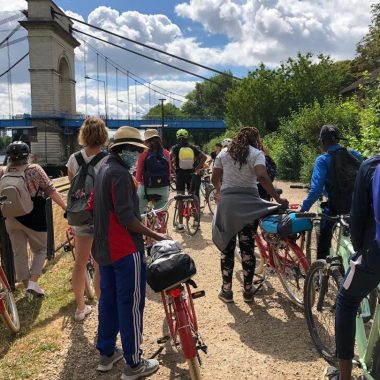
[(321, 288), (283, 256), (8, 306), (190, 212), (90, 268)]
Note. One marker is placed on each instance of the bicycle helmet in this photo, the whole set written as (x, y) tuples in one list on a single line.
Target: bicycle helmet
[(18, 150), (182, 134), (226, 143)]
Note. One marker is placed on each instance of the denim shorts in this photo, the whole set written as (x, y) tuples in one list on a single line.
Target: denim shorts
[(87, 230)]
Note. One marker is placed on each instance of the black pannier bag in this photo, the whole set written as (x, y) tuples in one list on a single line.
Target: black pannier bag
[(170, 266)]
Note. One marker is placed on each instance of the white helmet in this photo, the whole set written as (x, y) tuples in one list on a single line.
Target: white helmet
[(226, 143)]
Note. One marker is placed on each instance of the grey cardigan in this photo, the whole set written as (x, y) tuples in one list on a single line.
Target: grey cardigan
[(238, 207)]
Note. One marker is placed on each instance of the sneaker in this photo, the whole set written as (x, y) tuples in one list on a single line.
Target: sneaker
[(106, 362), (145, 368), (35, 289), (80, 315), (331, 373), (248, 295), (226, 296), (179, 228)]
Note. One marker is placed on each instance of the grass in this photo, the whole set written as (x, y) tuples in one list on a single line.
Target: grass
[(24, 355)]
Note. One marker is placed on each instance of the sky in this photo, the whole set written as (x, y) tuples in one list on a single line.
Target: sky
[(234, 35)]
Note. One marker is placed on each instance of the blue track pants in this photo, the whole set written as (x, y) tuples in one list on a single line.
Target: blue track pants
[(121, 306)]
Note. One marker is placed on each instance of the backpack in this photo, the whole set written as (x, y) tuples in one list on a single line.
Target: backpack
[(13, 186), (285, 224), (186, 158), (271, 167), (344, 168), (80, 191), (156, 170)]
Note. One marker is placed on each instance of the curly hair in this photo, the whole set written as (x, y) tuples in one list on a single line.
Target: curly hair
[(93, 132), (239, 148)]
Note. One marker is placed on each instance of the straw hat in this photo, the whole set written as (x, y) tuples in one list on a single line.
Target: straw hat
[(128, 136), (150, 133)]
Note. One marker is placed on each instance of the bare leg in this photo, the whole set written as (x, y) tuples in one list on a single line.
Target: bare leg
[(345, 369)]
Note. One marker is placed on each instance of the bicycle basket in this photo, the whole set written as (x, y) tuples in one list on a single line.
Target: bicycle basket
[(169, 267), (285, 224)]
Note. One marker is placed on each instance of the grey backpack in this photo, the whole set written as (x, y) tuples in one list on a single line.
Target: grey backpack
[(81, 189), (13, 186)]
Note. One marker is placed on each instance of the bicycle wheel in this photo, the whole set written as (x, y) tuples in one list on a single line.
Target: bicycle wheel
[(193, 219), (291, 269), (10, 313), (90, 288), (211, 201), (321, 319), (176, 214)]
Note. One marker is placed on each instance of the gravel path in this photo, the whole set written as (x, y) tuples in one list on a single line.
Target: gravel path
[(265, 340)]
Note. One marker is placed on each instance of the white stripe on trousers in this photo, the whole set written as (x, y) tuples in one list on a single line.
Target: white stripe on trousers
[(136, 307), (353, 264)]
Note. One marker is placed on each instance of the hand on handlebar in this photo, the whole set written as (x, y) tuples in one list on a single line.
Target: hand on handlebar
[(160, 237)]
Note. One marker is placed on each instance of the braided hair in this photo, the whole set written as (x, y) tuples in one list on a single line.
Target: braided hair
[(239, 148)]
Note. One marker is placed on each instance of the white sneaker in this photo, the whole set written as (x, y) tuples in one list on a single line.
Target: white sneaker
[(179, 228), (35, 289), (80, 315)]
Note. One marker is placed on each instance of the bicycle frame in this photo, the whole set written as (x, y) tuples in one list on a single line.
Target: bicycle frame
[(5, 280)]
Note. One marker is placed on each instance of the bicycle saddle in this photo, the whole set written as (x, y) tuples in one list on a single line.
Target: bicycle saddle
[(183, 197), (153, 197)]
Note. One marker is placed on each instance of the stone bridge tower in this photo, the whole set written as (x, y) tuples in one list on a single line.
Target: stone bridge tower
[(52, 78)]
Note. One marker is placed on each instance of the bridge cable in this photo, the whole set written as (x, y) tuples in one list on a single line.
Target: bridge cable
[(145, 56), (146, 46), (10, 34), (17, 40), (15, 64), (131, 73), (11, 18)]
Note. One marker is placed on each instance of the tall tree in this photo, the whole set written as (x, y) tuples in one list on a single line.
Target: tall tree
[(170, 111), (208, 99)]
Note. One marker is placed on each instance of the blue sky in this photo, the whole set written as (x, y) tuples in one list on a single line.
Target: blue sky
[(225, 34)]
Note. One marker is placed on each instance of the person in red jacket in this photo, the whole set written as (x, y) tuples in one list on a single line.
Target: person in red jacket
[(118, 248)]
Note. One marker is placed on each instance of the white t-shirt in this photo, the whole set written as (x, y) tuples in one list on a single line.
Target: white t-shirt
[(73, 166), (236, 176)]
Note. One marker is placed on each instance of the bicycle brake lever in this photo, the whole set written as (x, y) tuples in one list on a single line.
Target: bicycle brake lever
[(192, 283)]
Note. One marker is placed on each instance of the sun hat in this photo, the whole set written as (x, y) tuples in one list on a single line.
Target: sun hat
[(150, 133), (128, 136)]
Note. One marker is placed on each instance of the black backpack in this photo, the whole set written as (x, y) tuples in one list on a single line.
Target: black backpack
[(271, 167), (344, 168), (156, 170), (80, 191)]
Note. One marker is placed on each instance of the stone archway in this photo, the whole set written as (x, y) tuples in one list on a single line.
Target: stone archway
[(64, 86)]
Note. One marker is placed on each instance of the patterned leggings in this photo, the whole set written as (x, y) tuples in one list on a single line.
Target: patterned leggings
[(247, 245)]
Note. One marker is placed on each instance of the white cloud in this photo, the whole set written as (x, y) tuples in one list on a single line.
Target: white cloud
[(14, 5)]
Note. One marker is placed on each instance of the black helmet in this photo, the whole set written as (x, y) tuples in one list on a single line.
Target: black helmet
[(18, 150)]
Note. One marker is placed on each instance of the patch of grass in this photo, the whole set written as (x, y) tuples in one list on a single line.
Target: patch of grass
[(22, 356)]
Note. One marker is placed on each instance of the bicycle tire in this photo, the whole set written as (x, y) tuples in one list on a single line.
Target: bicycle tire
[(311, 235), (193, 221), (89, 284), (211, 201), (176, 215), (10, 315), (194, 369), (375, 369), (297, 271), (325, 344)]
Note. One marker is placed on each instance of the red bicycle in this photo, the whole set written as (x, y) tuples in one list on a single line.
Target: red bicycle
[(8, 307), (190, 212), (285, 257)]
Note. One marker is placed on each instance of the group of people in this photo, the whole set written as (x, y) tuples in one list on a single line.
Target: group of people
[(242, 175)]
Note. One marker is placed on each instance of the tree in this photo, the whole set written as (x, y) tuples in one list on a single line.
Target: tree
[(170, 112), (208, 99), (368, 49)]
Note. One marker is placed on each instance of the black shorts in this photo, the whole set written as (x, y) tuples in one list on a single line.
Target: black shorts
[(183, 181)]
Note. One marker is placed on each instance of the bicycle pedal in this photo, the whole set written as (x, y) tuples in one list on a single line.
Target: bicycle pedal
[(199, 294), (66, 248), (163, 339), (203, 348)]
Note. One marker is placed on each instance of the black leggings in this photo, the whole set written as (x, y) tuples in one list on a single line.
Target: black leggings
[(247, 245)]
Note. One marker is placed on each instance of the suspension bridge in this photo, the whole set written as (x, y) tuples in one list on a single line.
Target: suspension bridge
[(57, 47)]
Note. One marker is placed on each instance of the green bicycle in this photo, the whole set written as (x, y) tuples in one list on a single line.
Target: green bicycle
[(320, 291)]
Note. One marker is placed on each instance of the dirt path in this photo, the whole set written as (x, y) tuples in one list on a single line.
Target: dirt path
[(265, 340)]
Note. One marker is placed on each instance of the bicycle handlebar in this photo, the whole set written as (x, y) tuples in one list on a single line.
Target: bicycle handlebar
[(156, 210), (299, 187), (316, 215)]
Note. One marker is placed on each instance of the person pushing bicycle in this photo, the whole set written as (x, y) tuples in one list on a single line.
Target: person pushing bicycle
[(364, 273), (187, 160)]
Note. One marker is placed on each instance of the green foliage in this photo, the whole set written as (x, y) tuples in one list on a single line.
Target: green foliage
[(209, 147), (267, 95), (170, 112), (207, 100), (5, 141)]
